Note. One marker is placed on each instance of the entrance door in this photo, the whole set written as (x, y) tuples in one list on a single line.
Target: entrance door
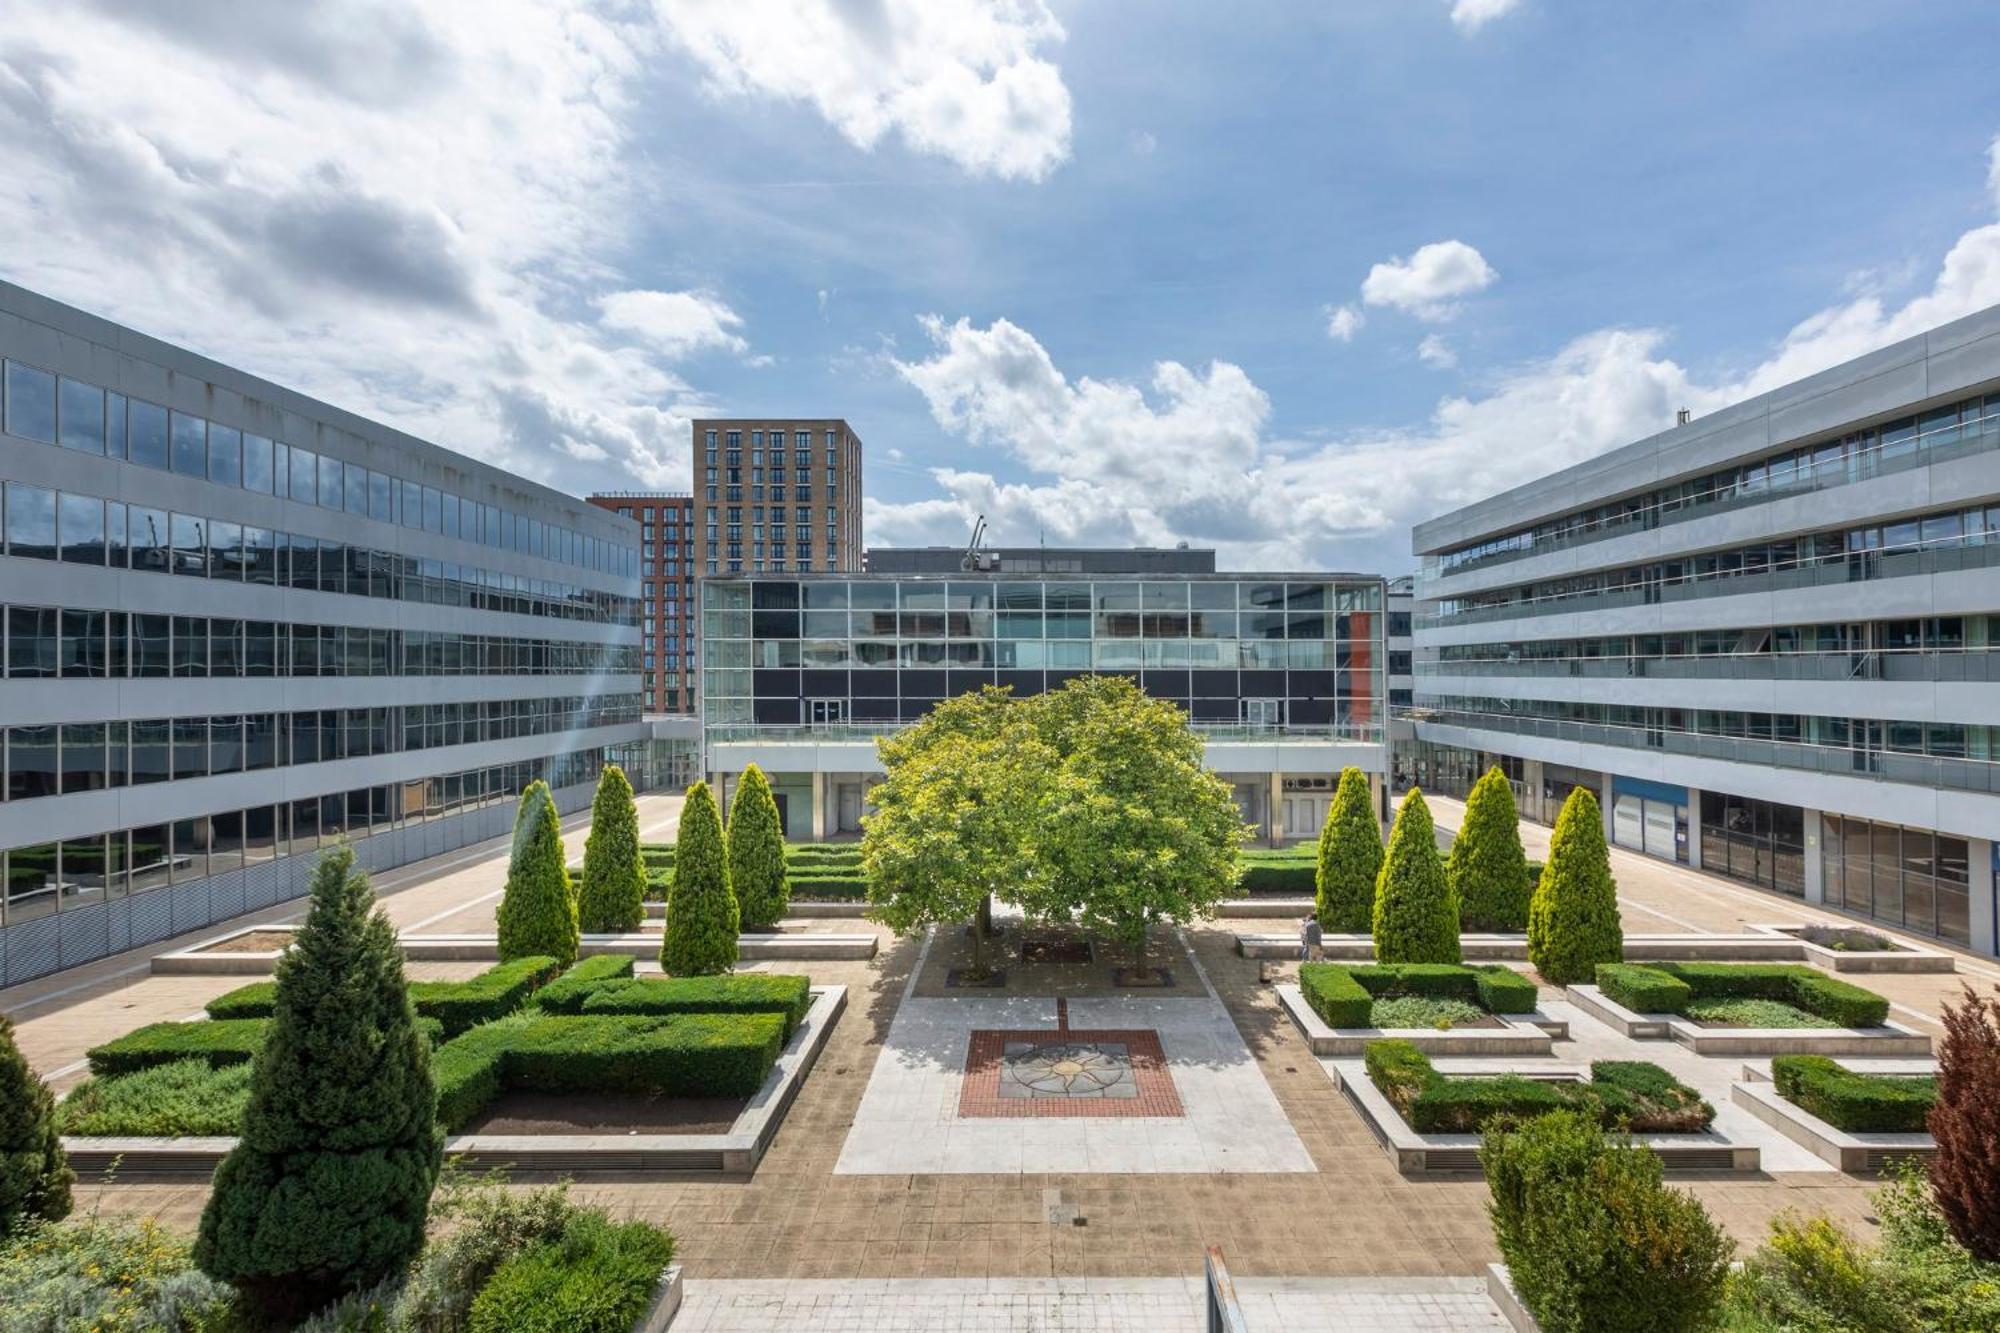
[(826, 713), (1305, 814), (849, 802), (1264, 714)]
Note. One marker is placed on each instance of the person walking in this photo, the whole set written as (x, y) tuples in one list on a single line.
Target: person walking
[(1311, 940)]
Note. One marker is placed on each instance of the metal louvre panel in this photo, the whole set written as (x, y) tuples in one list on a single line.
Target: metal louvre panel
[(189, 906), (152, 916), (260, 885), (85, 933), (226, 896), (33, 949), (118, 925)]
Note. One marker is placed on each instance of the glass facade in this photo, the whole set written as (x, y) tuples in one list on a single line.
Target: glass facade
[(1905, 877)]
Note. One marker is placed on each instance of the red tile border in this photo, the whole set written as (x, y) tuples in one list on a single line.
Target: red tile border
[(979, 1093)]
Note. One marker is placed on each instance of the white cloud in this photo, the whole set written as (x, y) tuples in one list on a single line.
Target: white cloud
[(1343, 322), (1429, 283), (1435, 351), (959, 79), (1143, 142), (675, 323), (1192, 461), (1470, 16)]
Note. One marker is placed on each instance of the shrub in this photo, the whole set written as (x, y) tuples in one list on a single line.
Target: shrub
[(752, 993), (1487, 869), (702, 920), (815, 886), (1965, 1174), (1342, 993), (1573, 916), (1463, 1105), (596, 1278), (756, 851), (1502, 990), (1645, 1099), (537, 911), (566, 994), (1854, 1102), (186, 1097), (1277, 874), (1620, 1095), (611, 896), (1810, 1274), (1415, 919), (1398, 1069), (469, 1070), (34, 1174), (489, 1224), (1593, 1241), (1643, 990), (1840, 1002), (1422, 1011), (1350, 858), (458, 1005), (106, 1275), (252, 1001), (329, 1184), (220, 1042), (1334, 994)]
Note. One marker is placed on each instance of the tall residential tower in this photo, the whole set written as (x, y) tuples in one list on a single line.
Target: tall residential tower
[(777, 496)]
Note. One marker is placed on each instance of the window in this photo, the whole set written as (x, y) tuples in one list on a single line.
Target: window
[(31, 521), (148, 434), (152, 754), (225, 455), (82, 529), (83, 757), (303, 468), (190, 546), (190, 445), (330, 477), (31, 762), (357, 490), (257, 464), (31, 403), (147, 537), (82, 416)]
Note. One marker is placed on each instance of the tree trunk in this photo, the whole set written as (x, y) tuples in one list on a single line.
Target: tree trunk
[(982, 925)]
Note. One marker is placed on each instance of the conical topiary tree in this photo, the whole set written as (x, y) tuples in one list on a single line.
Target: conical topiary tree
[(1350, 858), (612, 895), (1416, 920), (1487, 869), (538, 910), (756, 852), (702, 919), (1573, 917), (34, 1173), (329, 1185)]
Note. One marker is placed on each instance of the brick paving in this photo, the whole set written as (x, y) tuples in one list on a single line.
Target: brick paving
[(799, 1219)]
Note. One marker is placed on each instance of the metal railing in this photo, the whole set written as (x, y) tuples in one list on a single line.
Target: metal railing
[(1225, 1314), (780, 732), (1941, 665)]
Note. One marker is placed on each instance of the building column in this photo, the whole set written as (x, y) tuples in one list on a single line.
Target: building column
[(1531, 776), (1604, 803), (1694, 828), (1274, 811), (1815, 863), (819, 805), (1378, 796), (1980, 886)]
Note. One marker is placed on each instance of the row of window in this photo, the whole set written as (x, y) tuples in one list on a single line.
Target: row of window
[(43, 641), (1123, 595), (1928, 634), (1901, 876), (1843, 551), (41, 405), (986, 626), (42, 524), (1035, 654), (79, 872), (1971, 424), (51, 759)]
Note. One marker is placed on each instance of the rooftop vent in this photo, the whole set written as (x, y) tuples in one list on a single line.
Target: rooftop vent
[(1682, 417)]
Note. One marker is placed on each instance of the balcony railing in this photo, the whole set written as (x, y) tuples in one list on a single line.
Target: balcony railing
[(1939, 665), (762, 732)]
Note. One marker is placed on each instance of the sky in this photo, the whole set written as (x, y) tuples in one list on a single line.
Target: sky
[(1280, 278)]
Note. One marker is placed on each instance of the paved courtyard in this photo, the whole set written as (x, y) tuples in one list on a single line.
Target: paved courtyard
[(807, 1215)]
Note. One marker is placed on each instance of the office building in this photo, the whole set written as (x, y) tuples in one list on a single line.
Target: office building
[(242, 625), (1769, 638), (777, 496), (1282, 672), (1039, 560), (666, 592), (1401, 679)]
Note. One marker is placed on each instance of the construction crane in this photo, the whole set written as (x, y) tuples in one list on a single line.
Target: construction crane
[(974, 558)]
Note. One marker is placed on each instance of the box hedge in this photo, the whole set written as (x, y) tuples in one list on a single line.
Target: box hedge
[(750, 993), (1334, 994), (596, 1277), (219, 1042), (1634, 1095), (1341, 994), (1814, 991), (456, 1005), (1643, 990), (566, 994), (1855, 1102)]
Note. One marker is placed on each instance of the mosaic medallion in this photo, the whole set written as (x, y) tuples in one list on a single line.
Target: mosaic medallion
[(1066, 1072), (1067, 1069)]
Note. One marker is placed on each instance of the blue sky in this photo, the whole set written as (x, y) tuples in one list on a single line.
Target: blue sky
[(1277, 278)]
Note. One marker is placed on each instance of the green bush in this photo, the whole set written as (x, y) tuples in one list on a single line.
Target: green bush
[(537, 915), (34, 1174), (750, 993), (1349, 858), (1593, 1241), (1642, 989), (1487, 869), (1398, 1069), (756, 839), (329, 1184), (456, 1005), (566, 994), (470, 1072), (1502, 990), (1463, 1105), (1342, 993), (254, 1000), (816, 886), (1573, 917), (1272, 875), (1855, 1102), (1334, 994), (611, 895), (186, 1097), (1839, 1002), (596, 1278), (1416, 919), (1435, 1012), (702, 920), (1646, 1099), (219, 1042), (1634, 1095), (107, 1275)]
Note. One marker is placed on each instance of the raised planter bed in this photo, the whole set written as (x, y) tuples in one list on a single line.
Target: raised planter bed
[(1427, 1154), (1517, 1035), (856, 908), (1256, 908), (205, 959), (1854, 1153), (666, 1303), (1498, 948), (1898, 957), (1672, 992), (733, 1153)]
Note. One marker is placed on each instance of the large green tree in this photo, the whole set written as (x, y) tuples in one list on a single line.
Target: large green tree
[(1416, 919), (329, 1184), (955, 824), (1136, 830), (1350, 858), (1487, 868), (756, 851), (1573, 917), (612, 894), (538, 908), (702, 917), (34, 1174)]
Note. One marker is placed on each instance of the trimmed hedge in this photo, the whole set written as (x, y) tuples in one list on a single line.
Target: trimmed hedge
[(1837, 1001), (219, 1042), (596, 1277), (456, 1005), (1854, 1102), (1643, 990), (676, 1055), (751, 993), (165, 1101), (566, 994), (1621, 1094), (1342, 993)]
